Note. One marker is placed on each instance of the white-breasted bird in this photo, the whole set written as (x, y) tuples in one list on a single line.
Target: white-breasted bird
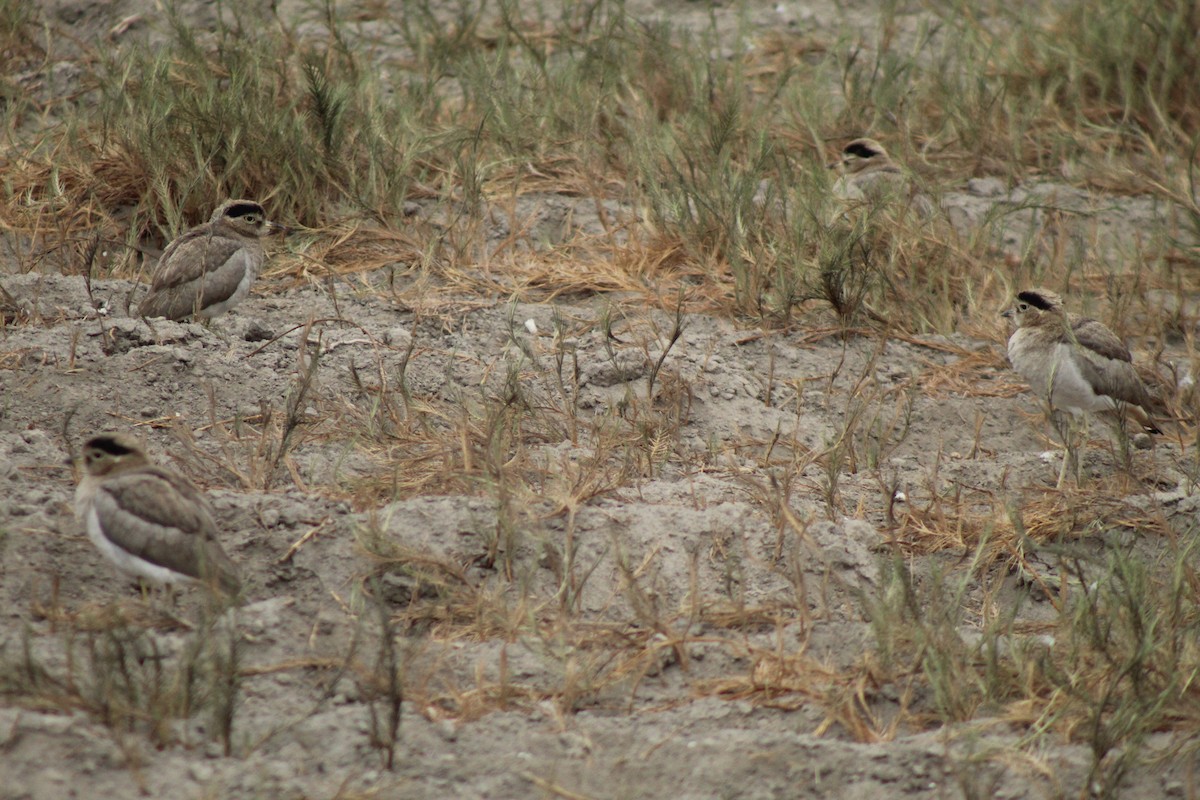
[(149, 521), (209, 269), (1076, 363), (869, 175)]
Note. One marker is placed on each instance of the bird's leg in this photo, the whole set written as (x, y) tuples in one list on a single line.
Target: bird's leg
[(1123, 440), (1082, 427), (145, 593), (169, 610), (1062, 472), (218, 330), (162, 601), (1068, 428), (1061, 422)]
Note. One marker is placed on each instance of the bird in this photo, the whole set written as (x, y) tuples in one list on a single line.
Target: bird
[(208, 270), (1076, 363), (149, 521), (870, 176)]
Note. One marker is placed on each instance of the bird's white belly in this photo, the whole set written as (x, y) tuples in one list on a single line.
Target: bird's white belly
[(249, 265), (1072, 390), (1054, 373), (127, 562), (845, 188)]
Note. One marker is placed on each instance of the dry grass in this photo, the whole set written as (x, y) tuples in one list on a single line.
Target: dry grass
[(575, 111), (670, 148), (115, 664)]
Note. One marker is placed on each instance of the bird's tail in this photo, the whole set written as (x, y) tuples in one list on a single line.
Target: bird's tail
[(1161, 412)]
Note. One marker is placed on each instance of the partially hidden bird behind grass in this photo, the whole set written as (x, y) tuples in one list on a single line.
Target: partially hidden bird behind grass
[(149, 521), (869, 175), (1078, 366), (209, 269)]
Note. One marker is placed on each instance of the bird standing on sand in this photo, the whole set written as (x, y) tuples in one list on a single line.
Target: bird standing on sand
[(209, 269), (1075, 363), (152, 523)]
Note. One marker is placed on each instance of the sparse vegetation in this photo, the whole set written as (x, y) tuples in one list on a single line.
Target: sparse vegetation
[(129, 668)]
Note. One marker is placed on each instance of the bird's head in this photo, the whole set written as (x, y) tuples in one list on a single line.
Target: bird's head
[(860, 155), (247, 218), (1033, 306), (112, 452)]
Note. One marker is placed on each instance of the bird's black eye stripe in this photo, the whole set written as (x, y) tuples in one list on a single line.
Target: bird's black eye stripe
[(109, 445), (1036, 300), (859, 149), (243, 210)]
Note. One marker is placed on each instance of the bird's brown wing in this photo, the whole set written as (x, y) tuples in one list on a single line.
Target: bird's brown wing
[(1096, 337), (160, 517), (190, 256), (195, 272), (1106, 363)]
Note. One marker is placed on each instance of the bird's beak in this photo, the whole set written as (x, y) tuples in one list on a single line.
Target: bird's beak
[(275, 229), (834, 164), (1007, 313)]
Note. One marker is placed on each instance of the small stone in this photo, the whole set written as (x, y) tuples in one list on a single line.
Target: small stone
[(52, 775), (289, 516), (347, 693), (257, 332), (33, 437), (447, 730), (397, 336), (48, 723), (200, 772)]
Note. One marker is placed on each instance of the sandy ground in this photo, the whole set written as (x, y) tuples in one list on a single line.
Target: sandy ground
[(633, 682)]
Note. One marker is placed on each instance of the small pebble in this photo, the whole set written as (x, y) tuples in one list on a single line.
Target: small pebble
[(200, 772)]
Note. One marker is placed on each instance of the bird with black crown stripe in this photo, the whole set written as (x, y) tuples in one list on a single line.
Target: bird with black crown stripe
[(150, 522), (1076, 364), (209, 269), (870, 175)]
